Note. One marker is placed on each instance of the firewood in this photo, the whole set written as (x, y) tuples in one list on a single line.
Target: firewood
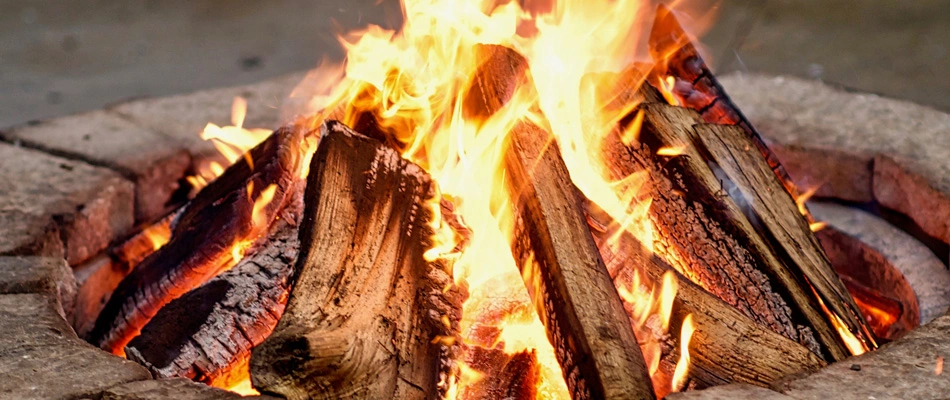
[(696, 87), (368, 316), (726, 346), (202, 238), (207, 334), (565, 276), (734, 230)]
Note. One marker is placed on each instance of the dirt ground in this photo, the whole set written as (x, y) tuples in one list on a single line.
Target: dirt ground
[(63, 57)]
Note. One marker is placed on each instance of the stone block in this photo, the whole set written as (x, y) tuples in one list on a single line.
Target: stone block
[(733, 391), (905, 369), (41, 357), (835, 135), (57, 207), (177, 388), (183, 117), (154, 162), (39, 275)]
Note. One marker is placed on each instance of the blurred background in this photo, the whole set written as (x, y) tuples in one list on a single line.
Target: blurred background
[(62, 57)]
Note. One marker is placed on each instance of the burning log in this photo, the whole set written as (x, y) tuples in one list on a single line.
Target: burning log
[(502, 376), (726, 346), (226, 217), (695, 87), (207, 334), (735, 231), (566, 278), (368, 316)]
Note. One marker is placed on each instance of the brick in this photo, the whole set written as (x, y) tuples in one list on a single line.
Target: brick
[(183, 117), (41, 357), (907, 146), (39, 275), (905, 369), (154, 162), (56, 207)]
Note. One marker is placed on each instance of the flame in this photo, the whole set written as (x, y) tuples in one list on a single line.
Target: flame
[(666, 88), (817, 226), (232, 141), (682, 366), (803, 198), (854, 345), (410, 86), (670, 151), (157, 235), (244, 388), (938, 369)]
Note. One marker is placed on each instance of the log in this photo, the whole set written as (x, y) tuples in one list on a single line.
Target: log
[(566, 279), (368, 316), (727, 346), (734, 230), (695, 87), (207, 334), (219, 218)]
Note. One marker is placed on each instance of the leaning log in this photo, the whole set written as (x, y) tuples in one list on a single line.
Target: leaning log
[(695, 87), (207, 334), (734, 230), (566, 279), (727, 346), (204, 235), (368, 316)]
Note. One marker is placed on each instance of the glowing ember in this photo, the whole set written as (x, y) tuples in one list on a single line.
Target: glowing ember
[(939, 368)]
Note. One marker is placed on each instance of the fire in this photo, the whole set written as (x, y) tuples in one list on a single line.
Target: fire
[(157, 235), (682, 366), (244, 388), (413, 83), (938, 369), (232, 141)]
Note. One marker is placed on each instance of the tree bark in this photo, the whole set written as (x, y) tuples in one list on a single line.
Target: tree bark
[(368, 316), (201, 244), (734, 230), (207, 334)]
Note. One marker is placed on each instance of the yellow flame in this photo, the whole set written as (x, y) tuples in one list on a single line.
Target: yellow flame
[(804, 197), (232, 141), (158, 235), (670, 151), (817, 226), (244, 388), (682, 366)]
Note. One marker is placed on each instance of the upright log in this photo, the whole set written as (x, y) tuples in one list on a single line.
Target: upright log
[(368, 316), (220, 216), (734, 230), (562, 269)]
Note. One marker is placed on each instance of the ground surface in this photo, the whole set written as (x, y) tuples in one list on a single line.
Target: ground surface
[(58, 58)]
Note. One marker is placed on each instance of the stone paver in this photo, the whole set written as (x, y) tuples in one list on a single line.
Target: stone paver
[(183, 117), (177, 388), (734, 391), (905, 369), (58, 207), (154, 162), (925, 272), (39, 275), (41, 357), (860, 146)]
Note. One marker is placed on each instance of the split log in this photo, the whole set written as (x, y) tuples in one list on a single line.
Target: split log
[(695, 87), (207, 334), (203, 237), (565, 276), (734, 230), (368, 316), (726, 346)]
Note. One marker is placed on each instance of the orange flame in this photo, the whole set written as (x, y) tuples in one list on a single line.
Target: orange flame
[(938, 369), (244, 388), (682, 366)]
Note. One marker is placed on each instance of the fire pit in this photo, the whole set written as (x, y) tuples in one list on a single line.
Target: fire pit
[(492, 220)]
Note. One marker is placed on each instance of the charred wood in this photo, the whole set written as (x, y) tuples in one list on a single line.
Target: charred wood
[(207, 334), (727, 346), (503, 376), (220, 217), (734, 230), (367, 316)]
